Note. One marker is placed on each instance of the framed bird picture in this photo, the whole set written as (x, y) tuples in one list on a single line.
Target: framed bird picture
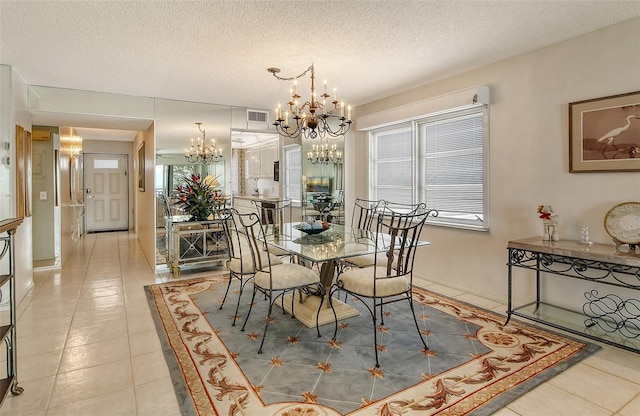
[(604, 134)]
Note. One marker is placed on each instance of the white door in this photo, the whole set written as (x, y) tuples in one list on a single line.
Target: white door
[(106, 184)]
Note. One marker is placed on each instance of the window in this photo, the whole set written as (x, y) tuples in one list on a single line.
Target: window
[(169, 177), (392, 167), (106, 164), (438, 160), (292, 174)]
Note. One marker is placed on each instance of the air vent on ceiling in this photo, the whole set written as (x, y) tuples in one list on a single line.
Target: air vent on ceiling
[(257, 116)]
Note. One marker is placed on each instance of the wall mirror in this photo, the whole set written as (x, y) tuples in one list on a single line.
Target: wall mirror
[(323, 183), (175, 125), (116, 117)]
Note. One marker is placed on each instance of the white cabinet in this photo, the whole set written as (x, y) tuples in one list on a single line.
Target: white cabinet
[(259, 160), (252, 160), (268, 155)]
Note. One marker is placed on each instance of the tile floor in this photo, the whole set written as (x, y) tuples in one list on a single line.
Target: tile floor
[(87, 346)]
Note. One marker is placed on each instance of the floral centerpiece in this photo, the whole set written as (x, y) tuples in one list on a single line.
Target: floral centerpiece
[(199, 197)]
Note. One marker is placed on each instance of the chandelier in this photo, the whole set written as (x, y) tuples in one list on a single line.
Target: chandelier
[(312, 118), (323, 155), (199, 152)]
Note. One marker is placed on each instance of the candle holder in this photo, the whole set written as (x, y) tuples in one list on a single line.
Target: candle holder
[(584, 236)]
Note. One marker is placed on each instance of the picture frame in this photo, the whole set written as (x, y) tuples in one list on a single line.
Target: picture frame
[(604, 134), (141, 184), (56, 179), (28, 169), (20, 178)]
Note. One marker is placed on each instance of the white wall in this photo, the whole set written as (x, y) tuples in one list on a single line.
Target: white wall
[(43, 210), (5, 140), (145, 201), (23, 242), (528, 157)]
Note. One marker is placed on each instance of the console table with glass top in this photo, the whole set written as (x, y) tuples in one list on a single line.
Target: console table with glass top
[(611, 309), (190, 242)]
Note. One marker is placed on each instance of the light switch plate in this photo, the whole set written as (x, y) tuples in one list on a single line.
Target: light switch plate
[(43, 195)]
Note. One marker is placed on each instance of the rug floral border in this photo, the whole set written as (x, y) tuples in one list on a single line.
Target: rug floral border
[(521, 356)]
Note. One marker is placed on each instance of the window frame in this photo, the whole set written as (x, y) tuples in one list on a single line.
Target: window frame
[(285, 174), (373, 157), (418, 180)]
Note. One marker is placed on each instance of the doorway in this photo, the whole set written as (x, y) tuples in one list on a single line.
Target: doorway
[(106, 184)]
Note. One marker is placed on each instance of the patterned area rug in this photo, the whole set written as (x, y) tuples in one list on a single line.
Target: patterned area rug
[(474, 364)]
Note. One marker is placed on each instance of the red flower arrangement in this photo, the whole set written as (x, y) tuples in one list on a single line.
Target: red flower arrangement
[(198, 197)]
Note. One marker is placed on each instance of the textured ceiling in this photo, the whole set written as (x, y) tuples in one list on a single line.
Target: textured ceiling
[(219, 51)]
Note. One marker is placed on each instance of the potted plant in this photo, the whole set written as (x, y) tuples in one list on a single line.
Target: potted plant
[(198, 197)]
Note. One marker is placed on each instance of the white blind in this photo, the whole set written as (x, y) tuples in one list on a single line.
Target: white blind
[(452, 154), (393, 168), (436, 159), (292, 170)]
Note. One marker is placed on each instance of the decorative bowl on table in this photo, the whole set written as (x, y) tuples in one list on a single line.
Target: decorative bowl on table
[(314, 228)]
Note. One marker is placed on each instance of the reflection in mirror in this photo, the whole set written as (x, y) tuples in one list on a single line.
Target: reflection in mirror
[(292, 174), (174, 128), (172, 169), (75, 178), (323, 185)]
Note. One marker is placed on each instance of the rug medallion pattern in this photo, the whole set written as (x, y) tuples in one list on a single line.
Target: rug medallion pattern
[(506, 358)]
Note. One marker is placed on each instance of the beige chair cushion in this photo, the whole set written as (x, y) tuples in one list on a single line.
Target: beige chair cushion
[(362, 261), (360, 281), (287, 275), (368, 259), (247, 263), (278, 251)]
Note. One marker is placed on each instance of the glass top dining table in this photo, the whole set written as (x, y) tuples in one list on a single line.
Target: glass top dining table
[(335, 243), (326, 249)]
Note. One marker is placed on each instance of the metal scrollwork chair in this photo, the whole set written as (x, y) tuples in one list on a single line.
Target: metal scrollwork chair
[(166, 210), (273, 215), (275, 280), (336, 212), (388, 207), (364, 213), (241, 262), (391, 279)]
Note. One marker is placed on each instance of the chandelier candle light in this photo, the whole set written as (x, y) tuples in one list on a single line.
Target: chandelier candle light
[(199, 152), (322, 155), (312, 118)]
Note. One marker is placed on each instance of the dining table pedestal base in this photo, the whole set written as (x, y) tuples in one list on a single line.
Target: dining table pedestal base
[(305, 309)]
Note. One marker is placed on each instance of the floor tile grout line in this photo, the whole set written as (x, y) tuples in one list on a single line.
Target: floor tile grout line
[(66, 339), (124, 301)]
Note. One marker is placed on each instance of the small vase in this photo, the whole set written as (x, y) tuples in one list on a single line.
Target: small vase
[(199, 217)]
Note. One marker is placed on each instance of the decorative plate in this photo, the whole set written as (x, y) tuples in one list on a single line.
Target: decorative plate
[(311, 230), (622, 223)]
